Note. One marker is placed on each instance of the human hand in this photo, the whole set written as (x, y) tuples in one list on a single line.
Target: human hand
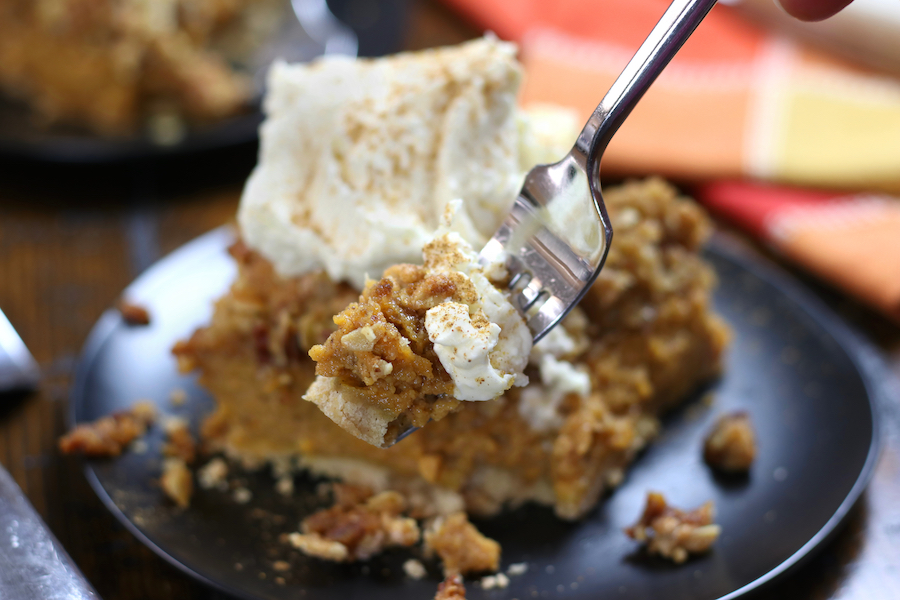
[(813, 10)]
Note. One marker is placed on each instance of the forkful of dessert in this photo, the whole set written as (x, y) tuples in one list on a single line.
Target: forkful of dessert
[(424, 339)]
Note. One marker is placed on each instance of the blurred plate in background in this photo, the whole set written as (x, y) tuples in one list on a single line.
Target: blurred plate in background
[(379, 26)]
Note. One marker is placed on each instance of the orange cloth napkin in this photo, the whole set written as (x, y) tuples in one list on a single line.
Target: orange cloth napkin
[(736, 102), (850, 240)]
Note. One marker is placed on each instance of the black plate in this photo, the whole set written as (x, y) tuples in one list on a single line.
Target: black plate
[(792, 365)]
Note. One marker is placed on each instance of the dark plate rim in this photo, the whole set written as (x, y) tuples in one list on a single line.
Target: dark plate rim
[(85, 149), (864, 357)]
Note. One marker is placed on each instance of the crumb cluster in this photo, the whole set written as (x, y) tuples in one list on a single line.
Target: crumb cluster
[(673, 533)]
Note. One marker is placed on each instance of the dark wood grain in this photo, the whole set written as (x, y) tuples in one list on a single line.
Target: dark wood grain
[(72, 238)]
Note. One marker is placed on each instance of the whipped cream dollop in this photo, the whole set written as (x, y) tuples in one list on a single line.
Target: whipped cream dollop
[(539, 403), (483, 343), (359, 157)]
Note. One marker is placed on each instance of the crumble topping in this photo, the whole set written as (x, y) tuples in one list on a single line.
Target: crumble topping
[(673, 533), (359, 526), (462, 548), (107, 436), (451, 588), (731, 445)]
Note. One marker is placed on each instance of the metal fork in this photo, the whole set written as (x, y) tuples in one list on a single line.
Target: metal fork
[(557, 235)]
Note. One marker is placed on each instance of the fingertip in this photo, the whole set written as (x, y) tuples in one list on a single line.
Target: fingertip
[(812, 10)]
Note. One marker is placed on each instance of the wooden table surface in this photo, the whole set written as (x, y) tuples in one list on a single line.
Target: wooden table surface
[(72, 238)]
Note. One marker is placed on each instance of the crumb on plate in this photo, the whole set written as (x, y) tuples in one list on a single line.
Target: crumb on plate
[(414, 569), (731, 445), (179, 441), (499, 581), (451, 588), (177, 482), (133, 314), (213, 474), (358, 526), (461, 547), (109, 435), (673, 533)]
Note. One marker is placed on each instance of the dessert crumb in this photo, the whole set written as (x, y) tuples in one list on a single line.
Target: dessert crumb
[(358, 526), (213, 475), (177, 482), (108, 436), (673, 533), (494, 581), (280, 580), (285, 485), (414, 569), (451, 588), (242, 495), (178, 397), (731, 445), (179, 441), (517, 569), (133, 314), (281, 565), (462, 548)]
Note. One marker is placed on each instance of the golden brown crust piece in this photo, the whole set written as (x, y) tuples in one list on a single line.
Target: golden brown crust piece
[(382, 372), (673, 533), (359, 526), (462, 548), (731, 445), (451, 588), (108, 436)]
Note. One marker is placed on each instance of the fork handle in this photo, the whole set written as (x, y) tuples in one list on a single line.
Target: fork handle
[(667, 37)]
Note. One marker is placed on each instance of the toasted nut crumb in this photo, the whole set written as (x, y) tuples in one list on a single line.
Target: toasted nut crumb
[(673, 533), (451, 588), (109, 435), (731, 445), (133, 314)]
